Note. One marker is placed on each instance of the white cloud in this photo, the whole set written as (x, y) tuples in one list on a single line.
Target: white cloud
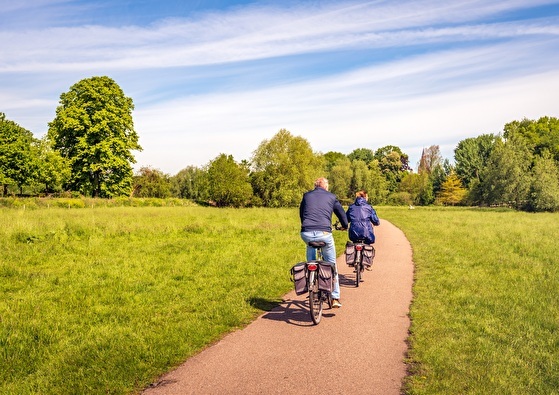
[(404, 103), (255, 33)]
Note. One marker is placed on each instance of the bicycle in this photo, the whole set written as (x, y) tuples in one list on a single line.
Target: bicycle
[(317, 296), (360, 247)]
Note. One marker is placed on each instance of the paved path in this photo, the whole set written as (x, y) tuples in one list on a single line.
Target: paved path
[(357, 349)]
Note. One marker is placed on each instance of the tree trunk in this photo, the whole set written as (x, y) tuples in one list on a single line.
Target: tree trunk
[(96, 192)]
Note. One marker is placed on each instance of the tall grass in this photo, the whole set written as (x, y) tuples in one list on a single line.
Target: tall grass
[(485, 315), (104, 300)]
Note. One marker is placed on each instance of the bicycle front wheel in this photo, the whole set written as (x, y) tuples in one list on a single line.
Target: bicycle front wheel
[(315, 301)]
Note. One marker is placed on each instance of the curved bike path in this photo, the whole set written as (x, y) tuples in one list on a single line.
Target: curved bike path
[(357, 349)]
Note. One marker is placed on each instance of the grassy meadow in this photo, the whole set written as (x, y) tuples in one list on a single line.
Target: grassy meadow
[(104, 299), (485, 315)]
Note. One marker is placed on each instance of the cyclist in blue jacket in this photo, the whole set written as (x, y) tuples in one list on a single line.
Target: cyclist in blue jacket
[(362, 216), (315, 211)]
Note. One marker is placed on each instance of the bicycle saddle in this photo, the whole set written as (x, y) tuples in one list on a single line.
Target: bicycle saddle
[(317, 244)]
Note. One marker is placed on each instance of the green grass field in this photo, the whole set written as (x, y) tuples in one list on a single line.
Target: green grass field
[(485, 315), (103, 300)]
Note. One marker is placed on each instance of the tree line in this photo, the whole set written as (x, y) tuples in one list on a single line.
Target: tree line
[(88, 151)]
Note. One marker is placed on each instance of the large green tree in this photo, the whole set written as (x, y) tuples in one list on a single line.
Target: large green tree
[(228, 182), (93, 129), (19, 163), (471, 155), (506, 179), (394, 164), (544, 191), (540, 135), (284, 167), (364, 154)]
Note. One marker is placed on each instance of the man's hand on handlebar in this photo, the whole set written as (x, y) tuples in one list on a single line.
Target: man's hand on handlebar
[(337, 226)]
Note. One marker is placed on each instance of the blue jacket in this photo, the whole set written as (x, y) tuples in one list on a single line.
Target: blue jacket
[(362, 216), (316, 210)]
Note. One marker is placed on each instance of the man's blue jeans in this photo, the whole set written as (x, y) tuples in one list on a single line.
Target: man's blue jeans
[(328, 253)]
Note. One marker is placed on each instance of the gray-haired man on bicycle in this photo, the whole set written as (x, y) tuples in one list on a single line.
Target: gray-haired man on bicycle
[(315, 210)]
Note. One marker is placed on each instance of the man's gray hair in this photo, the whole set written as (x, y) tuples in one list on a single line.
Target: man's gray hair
[(321, 182)]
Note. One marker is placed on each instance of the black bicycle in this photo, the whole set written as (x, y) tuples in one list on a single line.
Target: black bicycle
[(318, 296)]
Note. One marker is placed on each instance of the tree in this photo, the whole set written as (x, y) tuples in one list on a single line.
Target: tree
[(378, 189), (431, 158), (93, 130), (19, 163), (419, 187), (364, 154), (471, 156), (431, 175), (393, 163), (540, 136), (54, 170), (385, 151), (452, 192), (361, 178), (544, 191), (412, 184), (506, 179), (330, 159), (152, 183), (440, 174), (228, 182), (284, 167), (191, 183), (339, 178)]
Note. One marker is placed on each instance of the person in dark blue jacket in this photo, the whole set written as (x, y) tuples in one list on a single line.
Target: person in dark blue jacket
[(315, 211), (362, 216)]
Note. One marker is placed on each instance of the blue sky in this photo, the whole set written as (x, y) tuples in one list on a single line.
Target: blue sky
[(212, 77)]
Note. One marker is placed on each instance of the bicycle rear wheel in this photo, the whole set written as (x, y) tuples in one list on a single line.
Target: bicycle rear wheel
[(358, 268), (315, 301)]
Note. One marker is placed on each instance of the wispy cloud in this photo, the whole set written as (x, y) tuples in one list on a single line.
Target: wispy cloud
[(257, 33), (411, 103)]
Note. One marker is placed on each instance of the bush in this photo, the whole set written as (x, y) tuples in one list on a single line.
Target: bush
[(400, 199)]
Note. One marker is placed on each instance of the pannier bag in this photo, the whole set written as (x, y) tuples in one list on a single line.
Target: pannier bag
[(350, 253), (368, 254), (325, 273), (299, 278)]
